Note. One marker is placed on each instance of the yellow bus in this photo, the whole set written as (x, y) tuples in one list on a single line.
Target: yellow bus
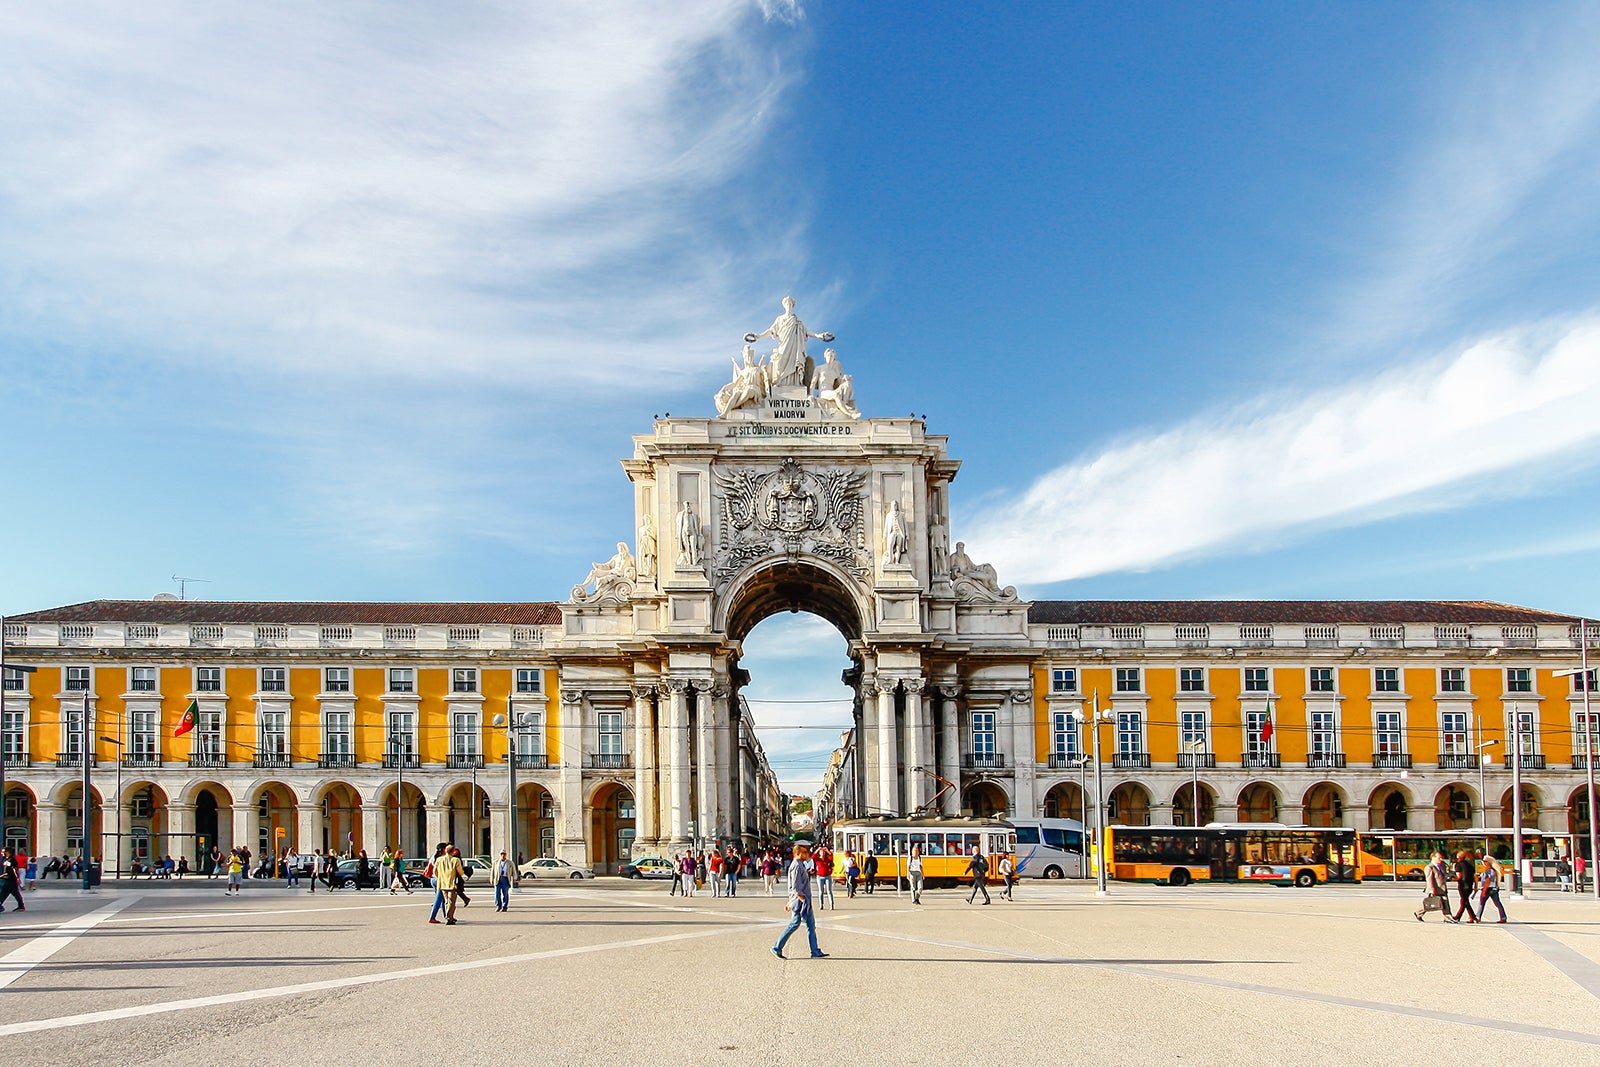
[(1261, 853), (947, 846), (1402, 854)]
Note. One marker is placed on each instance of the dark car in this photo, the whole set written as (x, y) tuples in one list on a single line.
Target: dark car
[(346, 875)]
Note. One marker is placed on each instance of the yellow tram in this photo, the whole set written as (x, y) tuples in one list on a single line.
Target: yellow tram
[(948, 845)]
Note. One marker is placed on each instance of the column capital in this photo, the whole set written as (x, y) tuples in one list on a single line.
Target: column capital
[(869, 689), (571, 696), (644, 692), (720, 691), (949, 692), (1022, 696), (677, 686), (913, 684)]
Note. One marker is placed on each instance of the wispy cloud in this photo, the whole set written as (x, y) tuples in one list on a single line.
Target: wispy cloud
[(1341, 456), (518, 193)]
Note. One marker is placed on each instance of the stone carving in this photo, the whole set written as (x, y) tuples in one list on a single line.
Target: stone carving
[(749, 386), (894, 535), (836, 390), (1022, 696), (788, 363), (913, 685), (977, 581), (691, 538), (612, 580), (949, 692), (647, 547), (677, 685), (938, 548), (789, 511)]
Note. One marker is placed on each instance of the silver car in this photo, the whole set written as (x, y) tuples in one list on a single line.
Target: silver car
[(550, 867)]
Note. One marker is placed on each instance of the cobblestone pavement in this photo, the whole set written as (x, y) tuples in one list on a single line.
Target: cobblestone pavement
[(609, 973)]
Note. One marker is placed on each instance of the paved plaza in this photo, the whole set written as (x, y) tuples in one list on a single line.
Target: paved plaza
[(611, 972)]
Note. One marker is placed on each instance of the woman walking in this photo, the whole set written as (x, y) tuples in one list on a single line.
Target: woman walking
[(914, 871), (1466, 884), (852, 874), (1489, 889)]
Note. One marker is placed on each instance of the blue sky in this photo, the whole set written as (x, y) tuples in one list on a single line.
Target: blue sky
[(1225, 300)]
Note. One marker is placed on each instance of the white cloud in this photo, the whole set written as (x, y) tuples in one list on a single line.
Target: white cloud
[(523, 193), (1341, 456)]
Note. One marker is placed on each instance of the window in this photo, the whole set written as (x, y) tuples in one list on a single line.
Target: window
[(464, 732), (1191, 680), (141, 679), (1386, 680), (983, 733), (1130, 733), (1519, 679), (78, 679), (1193, 739), (336, 733), (530, 680), (1322, 679), (464, 680), (336, 680), (1527, 737), (208, 679), (402, 739), (142, 736), (1063, 735), (1452, 680), (1453, 733), (13, 680), (274, 679), (1255, 724), (208, 735), (1129, 680), (1388, 735), (12, 736), (1255, 680), (1578, 681), (529, 734), (402, 680), (1324, 733), (611, 737), (72, 723), (1578, 749), (1064, 680), (274, 733)]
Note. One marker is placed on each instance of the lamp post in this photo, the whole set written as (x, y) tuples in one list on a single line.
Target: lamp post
[(88, 821), (1482, 811), (1516, 802), (514, 727), (4, 756), (1194, 745), (120, 749), (396, 743), (1096, 718), (1586, 680)]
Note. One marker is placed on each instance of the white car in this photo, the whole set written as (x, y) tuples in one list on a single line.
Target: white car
[(549, 867)]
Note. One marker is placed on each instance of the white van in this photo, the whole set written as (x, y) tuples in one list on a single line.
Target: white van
[(1049, 848)]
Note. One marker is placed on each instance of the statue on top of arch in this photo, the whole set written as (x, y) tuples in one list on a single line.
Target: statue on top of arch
[(788, 367)]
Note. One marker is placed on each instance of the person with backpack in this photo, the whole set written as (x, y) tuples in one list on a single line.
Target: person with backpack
[(978, 867), (1489, 888), (852, 874)]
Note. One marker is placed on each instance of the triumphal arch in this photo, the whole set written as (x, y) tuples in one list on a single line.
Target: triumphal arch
[(788, 498)]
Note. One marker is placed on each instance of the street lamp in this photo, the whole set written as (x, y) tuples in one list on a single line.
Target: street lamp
[(1195, 745), (1516, 802), (397, 746), (514, 725), (1482, 812), (114, 741), (1096, 718), (1586, 680)]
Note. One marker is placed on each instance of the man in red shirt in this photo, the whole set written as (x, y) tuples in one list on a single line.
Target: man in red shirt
[(824, 864)]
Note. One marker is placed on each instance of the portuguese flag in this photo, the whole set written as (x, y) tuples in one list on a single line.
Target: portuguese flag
[(190, 714)]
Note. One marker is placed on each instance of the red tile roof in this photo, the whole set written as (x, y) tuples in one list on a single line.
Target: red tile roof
[(1357, 612), (534, 613)]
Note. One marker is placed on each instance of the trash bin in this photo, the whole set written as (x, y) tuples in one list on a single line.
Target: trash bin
[(94, 875)]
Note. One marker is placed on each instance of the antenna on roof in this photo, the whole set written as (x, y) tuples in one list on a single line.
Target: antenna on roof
[(183, 585)]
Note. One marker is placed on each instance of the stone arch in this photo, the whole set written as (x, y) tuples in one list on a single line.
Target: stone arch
[(1259, 802), (274, 807), (68, 793), (1066, 800), (1324, 805), (146, 823), (189, 792), (986, 799), (1129, 804), (1532, 804), (812, 585), (1578, 820), (464, 808), (611, 824), (407, 826), (339, 807), (1389, 807), (537, 814), (213, 816), (1183, 812), (21, 817), (1454, 806)]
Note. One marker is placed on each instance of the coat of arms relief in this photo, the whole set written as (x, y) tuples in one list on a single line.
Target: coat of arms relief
[(790, 511)]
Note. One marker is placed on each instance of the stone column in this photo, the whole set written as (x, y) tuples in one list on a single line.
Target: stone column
[(245, 818), (180, 833), (376, 830), (52, 829), (867, 749), (888, 753), (500, 831), (307, 832), (677, 769), (1024, 803), (950, 754), (705, 760), (646, 816), (919, 743), (438, 827)]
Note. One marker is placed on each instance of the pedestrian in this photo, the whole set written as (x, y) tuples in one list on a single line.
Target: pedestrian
[(1466, 872), (1564, 874), (869, 872), (1579, 864), (800, 910), (461, 882), (291, 870), (822, 860), (432, 873), (400, 871), (769, 872), (978, 867), (914, 873), (714, 872), (1489, 889), (183, 867), (32, 867), (700, 869), (363, 869), (10, 880), (502, 884), (1008, 875), (852, 874), (447, 871), (1436, 894), (687, 869), (730, 870), (386, 870), (236, 869)]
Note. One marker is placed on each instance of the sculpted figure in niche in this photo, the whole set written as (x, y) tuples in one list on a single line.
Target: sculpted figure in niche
[(834, 387), (691, 538), (647, 546), (894, 535), (939, 547), (788, 363), (749, 385)]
